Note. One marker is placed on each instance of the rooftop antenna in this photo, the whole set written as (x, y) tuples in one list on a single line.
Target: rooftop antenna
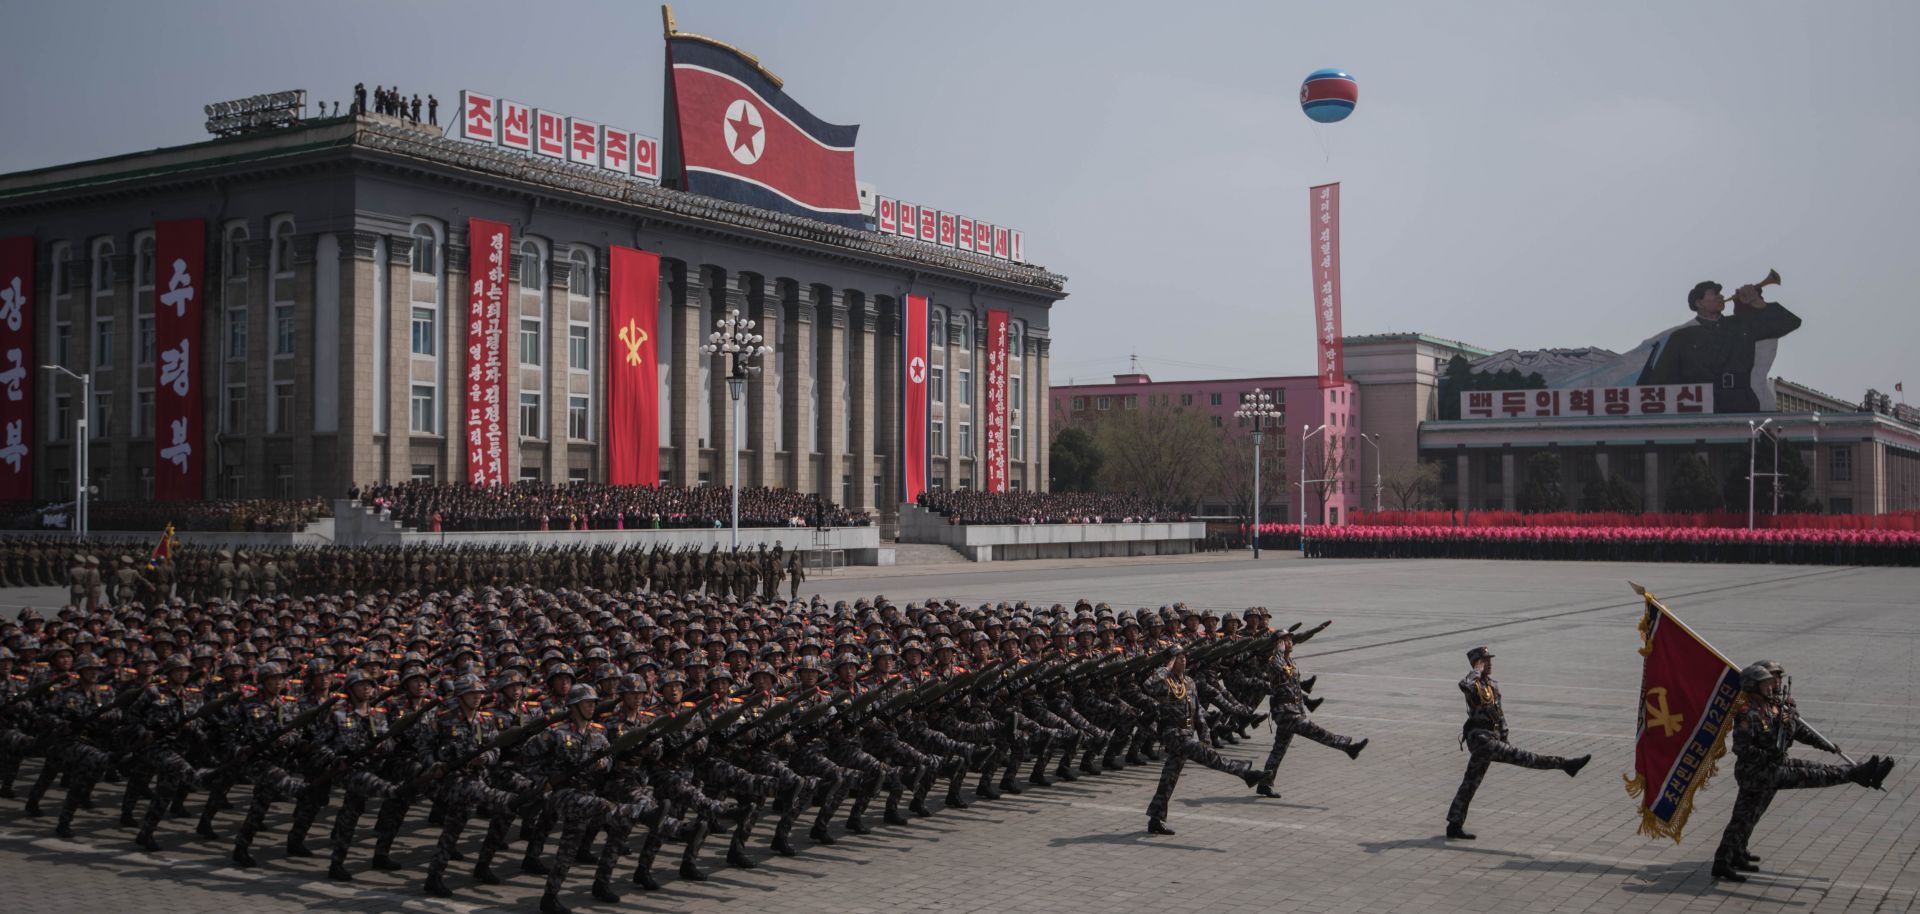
[(1133, 363)]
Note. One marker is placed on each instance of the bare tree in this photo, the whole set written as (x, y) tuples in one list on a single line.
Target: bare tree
[(1236, 473), (1325, 459), (1413, 486), (1164, 454)]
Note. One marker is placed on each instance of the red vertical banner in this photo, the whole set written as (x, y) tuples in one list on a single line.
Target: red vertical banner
[(486, 427), (913, 424), (633, 380), (16, 369), (996, 400), (180, 262), (1324, 213)]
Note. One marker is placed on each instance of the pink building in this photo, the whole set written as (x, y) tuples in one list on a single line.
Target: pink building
[(1298, 398)]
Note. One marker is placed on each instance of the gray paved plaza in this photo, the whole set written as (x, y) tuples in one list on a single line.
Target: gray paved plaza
[(1360, 836)]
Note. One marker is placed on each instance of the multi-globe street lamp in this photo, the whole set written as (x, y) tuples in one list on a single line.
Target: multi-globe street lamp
[(1256, 405), (734, 337)]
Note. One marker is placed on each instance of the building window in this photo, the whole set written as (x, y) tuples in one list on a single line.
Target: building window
[(966, 332), (1132, 401), (102, 267), (423, 413), (142, 414), (1840, 467), (1102, 403), (102, 343), (422, 472), (283, 481), (61, 254), (426, 245), (529, 474), (577, 416), (143, 261), (102, 419), (1279, 396), (1013, 394), (234, 417), (1213, 399), (530, 342), (283, 407), (236, 248), (966, 387), (579, 274), (576, 475), (579, 353), (937, 382), (533, 267), (1839, 505), (1079, 404), (237, 332), (1015, 333), (966, 439), (63, 345), (423, 334), (144, 330), (283, 330), (1013, 445), (146, 482), (62, 416), (530, 415), (937, 438), (281, 258)]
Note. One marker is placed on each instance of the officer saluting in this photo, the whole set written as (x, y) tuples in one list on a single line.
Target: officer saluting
[(1485, 736)]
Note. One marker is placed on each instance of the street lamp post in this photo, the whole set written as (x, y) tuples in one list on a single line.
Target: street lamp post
[(1304, 435), (1374, 439), (81, 457), (1753, 440), (734, 337), (1257, 405)]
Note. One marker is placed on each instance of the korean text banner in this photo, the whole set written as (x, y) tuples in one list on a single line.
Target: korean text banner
[(486, 427), (996, 400), (1687, 693), (1324, 212), (17, 367), (913, 424), (180, 273), (633, 391)]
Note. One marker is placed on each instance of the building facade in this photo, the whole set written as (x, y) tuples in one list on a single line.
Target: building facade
[(334, 327)]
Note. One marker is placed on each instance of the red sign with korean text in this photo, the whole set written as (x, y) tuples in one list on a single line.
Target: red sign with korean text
[(486, 427), (180, 273), (997, 327), (1324, 232), (1638, 400), (16, 369)]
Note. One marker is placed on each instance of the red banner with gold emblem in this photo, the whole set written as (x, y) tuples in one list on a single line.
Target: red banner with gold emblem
[(17, 368), (486, 427), (997, 326), (913, 407), (1687, 693), (633, 379)]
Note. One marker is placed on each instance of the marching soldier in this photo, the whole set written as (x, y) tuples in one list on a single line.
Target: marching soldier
[(1765, 725), (358, 727), (1177, 710), (1485, 735), (1289, 706)]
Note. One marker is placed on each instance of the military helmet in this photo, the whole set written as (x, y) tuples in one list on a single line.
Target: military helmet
[(468, 685), (1754, 674), (580, 694)]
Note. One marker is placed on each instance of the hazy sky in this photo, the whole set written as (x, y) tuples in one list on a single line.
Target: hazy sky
[(1517, 174)]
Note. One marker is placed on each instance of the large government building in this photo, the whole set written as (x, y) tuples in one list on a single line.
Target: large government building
[(333, 339)]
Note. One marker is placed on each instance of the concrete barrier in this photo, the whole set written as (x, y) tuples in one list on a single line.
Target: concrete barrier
[(358, 525), (1013, 542)]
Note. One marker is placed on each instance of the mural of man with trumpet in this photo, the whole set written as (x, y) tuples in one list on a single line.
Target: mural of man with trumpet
[(1722, 349)]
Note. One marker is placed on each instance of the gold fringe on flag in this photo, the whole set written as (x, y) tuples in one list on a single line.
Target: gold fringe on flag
[(1650, 824)]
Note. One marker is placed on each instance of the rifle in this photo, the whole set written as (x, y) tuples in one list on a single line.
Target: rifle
[(31, 694), (504, 741), (300, 722), (205, 711)]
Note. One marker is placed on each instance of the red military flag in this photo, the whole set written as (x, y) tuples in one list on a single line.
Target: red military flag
[(633, 401), (1687, 695), (913, 424), (162, 549)]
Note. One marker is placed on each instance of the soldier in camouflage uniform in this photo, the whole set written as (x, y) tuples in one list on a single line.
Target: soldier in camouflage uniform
[(1289, 707), (357, 729), (463, 753), (79, 713), (1485, 735), (1766, 724), (166, 712), (1178, 714), (265, 719)]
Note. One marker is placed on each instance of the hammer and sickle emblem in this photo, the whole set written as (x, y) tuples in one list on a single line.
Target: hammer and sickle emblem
[(634, 338), (1658, 715)]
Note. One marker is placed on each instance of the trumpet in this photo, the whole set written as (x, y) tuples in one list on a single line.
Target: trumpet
[(1773, 279)]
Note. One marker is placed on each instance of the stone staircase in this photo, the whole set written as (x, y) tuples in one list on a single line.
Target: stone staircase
[(927, 554)]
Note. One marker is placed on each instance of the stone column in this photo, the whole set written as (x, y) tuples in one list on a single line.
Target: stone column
[(1508, 485), (762, 423), (355, 451), (726, 295), (399, 357), (890, 325), (558, 377), (796, 340), (308, 476), (1040, 428), (862, 320), (1463, 482), (1651, 496), (685, 293), (832, 338)]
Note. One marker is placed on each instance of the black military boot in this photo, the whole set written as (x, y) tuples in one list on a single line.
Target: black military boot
[(689, 868), (893, 816), (603, 891), (783, 840), (1253, 777), (243, 858), (386, 864), (145, 841), (737, 856), (1571, 766), (1157, 827), (1313, 704), (643, 867), (1456, 832), (1726, 872), (1353, 752), (550, 904), (483, 873), (298, 848), (337, 872), (437, 886), (1306, 685)]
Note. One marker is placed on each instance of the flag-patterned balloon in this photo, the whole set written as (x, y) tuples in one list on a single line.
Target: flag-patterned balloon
[(1328, 96)]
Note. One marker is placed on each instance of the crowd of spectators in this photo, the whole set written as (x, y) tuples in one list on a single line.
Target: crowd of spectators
[(451, 507), (960, 506), (258, 515)]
